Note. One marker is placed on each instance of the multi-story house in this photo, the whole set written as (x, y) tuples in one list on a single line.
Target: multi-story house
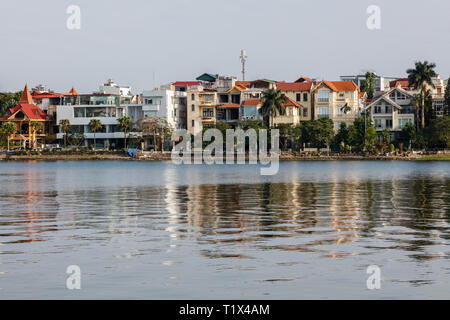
[(201, 108), (337, 100), (437, 96), (82, 108), (301, 93), (167, 103), (392, 110), (381, 83)]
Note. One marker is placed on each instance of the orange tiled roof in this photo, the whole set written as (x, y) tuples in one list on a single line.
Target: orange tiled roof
[(288, 102), (251, 102), (30, 110), (404, 83), (294, 86), (303, 79), (26, 96), (244, 84), (341, 85)]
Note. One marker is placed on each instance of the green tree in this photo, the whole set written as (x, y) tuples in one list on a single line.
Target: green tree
[(319, 133), (368, 84), (341, 139), (360, 134), (272, 105), (125, 124), (438, 133), (421, 77), (8, 129), (9, 100), (95, 125), (64, 125), (447, 98), (408, 134), (345, 108), (386, 134)]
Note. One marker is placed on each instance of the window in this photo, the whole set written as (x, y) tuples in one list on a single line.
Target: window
[(148, 101), (377, 109), (403, 122), (192, 96), (323, 112), (305, 97), (388, 109), (235, 98), (377, 123), (223, 98), (388, 123), (193, 107), (79, 112), (193, 123), (305, 112), (324, 95), (298, 97), (207, 112)]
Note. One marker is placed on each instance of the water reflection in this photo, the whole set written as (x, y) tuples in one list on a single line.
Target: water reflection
[(172, 223)]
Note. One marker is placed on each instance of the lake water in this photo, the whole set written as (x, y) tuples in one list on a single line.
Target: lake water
[(155, 230)]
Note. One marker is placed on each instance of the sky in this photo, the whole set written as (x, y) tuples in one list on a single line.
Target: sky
[(146, 43)]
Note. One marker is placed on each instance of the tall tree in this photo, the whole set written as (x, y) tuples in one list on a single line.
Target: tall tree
[(95, 125), (125, 124), (368, 84), (447, 98), (272, 104), (8, 129), (421, 78), (64, 125)]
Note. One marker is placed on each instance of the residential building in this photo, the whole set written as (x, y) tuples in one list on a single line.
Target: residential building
[(82, 108), (250, 109), (381, 83), (23, 115), (301, 93), (167, 102), (392, 110), (331, 98), (291, 114)]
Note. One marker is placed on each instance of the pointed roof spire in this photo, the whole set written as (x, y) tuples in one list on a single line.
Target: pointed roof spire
[(26, 96), (73, 92)]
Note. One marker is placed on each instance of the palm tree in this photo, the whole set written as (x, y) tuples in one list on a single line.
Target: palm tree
[(125, 123), (95, 125), (420, 77), (64, 125), (36, 125), (272, 100), (8, 129)]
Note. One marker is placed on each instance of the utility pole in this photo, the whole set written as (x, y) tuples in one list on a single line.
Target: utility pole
[(243, 58)]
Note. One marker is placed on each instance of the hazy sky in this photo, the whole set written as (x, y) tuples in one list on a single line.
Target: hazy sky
[(145, 43)]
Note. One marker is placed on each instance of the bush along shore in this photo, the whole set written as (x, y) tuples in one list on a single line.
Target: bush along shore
[(166, 156)]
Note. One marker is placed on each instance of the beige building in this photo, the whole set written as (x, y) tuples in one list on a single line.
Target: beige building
[(337, 100), (301, 93)]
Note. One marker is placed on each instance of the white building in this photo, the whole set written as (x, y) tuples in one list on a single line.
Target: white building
[(392, 110), (381, 83), (105, 107), (166, 103)]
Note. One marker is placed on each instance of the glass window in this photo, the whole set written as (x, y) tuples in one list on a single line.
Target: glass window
[(324, 95), (305, 97), (323, 111), (79, 112), (298, 97)]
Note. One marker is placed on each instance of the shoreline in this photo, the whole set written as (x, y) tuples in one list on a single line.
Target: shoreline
[(167, 157)]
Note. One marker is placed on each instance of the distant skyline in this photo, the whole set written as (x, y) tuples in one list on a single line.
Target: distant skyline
[(144, 44)]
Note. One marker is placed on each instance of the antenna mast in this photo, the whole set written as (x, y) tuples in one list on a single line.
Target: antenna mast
[(243, 59)]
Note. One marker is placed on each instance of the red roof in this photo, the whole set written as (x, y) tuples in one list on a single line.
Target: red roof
[(42, 95), (288, 102), (294, 86), (251, 102), (244, 84), (26, 96), (404, 83), (229, 105), (30, 110), (303, 79), (341, 85), (186, 83)]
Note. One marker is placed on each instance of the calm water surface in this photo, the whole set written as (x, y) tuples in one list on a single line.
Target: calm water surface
[(156, 230)]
